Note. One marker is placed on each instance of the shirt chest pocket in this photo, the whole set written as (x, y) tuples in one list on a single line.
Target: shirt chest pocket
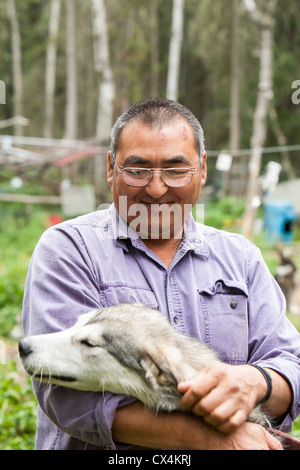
[(225, 314), (121, 292)]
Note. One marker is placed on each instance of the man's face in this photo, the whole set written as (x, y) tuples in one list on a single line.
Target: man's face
[(156, 210)]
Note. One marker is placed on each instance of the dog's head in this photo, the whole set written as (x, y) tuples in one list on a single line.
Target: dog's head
[(116, 349)]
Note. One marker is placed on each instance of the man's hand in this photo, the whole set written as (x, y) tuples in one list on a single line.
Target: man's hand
[(224, 395), (249, 436)]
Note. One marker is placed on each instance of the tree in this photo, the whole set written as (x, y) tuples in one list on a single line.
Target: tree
[(154, 48), (238, 174), (106, 88), (104, 71), (50, 71), (265, 22), (71, 107), (16, 63), (175, 49)]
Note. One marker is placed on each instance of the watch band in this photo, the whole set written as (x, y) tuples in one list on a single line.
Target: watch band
[(268, 379)]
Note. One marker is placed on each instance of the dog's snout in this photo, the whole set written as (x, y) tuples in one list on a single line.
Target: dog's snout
[(24, 348)]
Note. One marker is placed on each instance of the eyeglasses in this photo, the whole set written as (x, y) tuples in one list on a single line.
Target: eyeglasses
[(173, 177)]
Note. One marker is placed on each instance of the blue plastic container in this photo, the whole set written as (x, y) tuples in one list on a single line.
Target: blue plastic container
[(279, 218)]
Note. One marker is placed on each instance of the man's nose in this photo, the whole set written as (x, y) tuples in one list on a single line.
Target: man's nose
[(157, 187)]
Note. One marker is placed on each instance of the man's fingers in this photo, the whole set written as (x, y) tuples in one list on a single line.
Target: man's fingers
[(273, 443), (195, 389)]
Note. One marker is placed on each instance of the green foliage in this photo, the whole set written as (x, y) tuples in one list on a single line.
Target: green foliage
[(19, 234), (296, 428), (18, 410), (20, 230), (225, 213)]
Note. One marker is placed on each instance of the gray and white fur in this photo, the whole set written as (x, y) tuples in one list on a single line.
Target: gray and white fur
[(123, 349)]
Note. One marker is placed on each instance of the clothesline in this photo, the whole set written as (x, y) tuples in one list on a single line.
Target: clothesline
[(246, 152)]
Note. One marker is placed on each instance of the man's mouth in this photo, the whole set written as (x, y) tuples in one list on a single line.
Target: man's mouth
[(156, 203)]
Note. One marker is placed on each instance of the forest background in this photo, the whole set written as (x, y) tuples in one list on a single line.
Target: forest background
[(54, 57), (68, 68)]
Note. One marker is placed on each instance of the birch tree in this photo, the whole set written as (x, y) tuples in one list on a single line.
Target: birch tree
[(175, 49), (16, 63), (104, 71), (265, 23), (50, 72), (154, 48), (71, 107), (238, 169)]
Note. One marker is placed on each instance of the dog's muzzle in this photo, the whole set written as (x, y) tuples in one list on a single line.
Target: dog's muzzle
[(25, 349)]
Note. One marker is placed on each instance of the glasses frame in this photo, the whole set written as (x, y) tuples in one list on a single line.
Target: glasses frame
[(155, 170)]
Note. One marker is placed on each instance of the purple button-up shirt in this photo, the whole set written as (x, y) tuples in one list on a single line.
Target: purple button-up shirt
[(217, 289)]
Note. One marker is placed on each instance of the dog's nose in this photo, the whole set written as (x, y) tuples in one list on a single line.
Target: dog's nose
[(24, 348)]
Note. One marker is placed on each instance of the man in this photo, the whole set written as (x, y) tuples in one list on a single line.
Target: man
[(210, 284)]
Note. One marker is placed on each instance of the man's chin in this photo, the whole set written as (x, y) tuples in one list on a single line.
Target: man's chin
[(154, 232)]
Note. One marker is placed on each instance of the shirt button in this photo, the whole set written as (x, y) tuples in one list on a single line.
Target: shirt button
[(233, 304), (175, 320)]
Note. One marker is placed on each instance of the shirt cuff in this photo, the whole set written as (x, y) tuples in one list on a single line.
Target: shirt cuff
[(105, 414)]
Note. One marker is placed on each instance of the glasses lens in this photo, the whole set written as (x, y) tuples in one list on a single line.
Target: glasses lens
[(136, 177), (177, 177)]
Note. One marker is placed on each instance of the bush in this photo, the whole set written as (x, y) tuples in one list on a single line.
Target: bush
[(18, 410), (19, 234), (225, 213)]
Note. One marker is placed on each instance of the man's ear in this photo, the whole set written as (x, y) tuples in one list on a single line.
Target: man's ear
[(204, 170), (110, 168)]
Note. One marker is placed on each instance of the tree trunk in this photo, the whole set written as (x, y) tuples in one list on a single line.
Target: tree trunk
[(106, 92), (154, 49), (103, 68), (282, 141), (50, 71), (175, 49), (71, 108), (17, 63), (238, 173), (265, 94)]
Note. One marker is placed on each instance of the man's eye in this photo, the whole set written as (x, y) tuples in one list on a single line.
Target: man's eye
[(138, 173), (88, 343), (176, 172)]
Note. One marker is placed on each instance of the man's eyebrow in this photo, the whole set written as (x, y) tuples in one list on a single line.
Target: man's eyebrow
[(136, 160)]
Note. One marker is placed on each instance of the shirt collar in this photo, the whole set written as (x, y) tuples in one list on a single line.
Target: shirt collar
[(194, 238), (193, 234)]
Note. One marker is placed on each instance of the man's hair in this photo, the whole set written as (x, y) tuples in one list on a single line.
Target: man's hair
[(157, 112)]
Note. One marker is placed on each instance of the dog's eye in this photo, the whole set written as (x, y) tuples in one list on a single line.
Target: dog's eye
[(87, 343)]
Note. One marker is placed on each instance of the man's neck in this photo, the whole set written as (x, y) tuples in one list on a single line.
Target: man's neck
[(164, 249)]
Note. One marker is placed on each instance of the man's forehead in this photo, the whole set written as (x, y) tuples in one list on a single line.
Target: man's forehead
[(159, 124), (137, 130)]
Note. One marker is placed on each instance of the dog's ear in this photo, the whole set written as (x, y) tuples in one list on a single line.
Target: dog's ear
[(157, 373), (158, 366), (164, 366)]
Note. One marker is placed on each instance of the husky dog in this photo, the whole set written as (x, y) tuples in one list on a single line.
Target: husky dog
[(123, 349)]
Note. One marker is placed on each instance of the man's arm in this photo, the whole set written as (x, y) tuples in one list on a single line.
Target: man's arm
[(136, 425)]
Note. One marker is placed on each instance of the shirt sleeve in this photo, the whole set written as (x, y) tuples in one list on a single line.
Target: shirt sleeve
[(273, 341), (61, 285)]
